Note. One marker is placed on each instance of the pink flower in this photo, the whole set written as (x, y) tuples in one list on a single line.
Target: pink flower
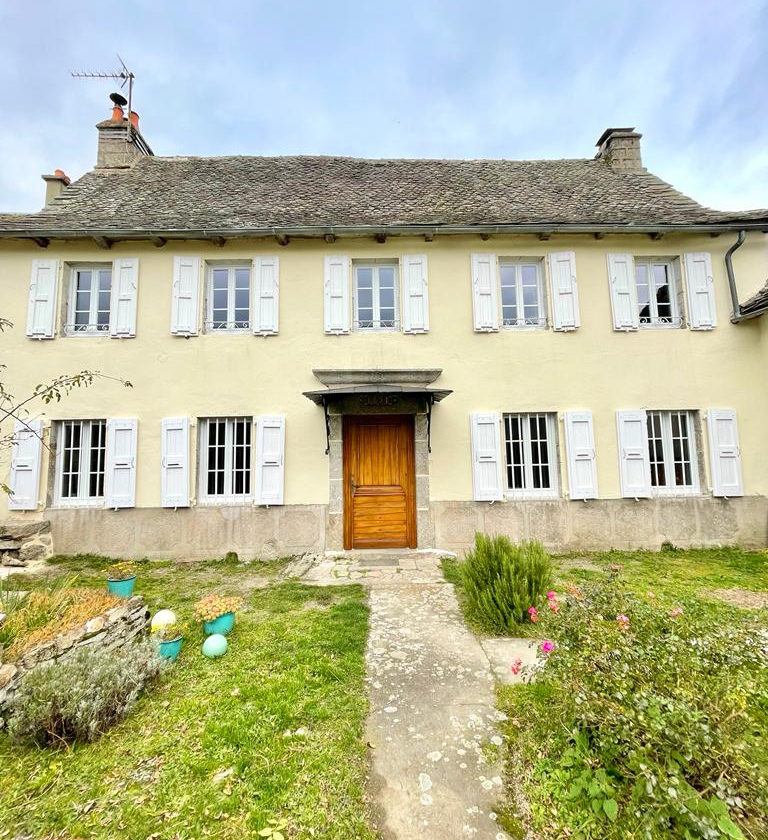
[(553, 605), (516, 666), (551, 594), (547, 647), (623, 621), (534, 614), (674, 613), (650, 594)]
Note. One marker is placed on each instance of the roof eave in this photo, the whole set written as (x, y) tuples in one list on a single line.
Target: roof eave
[(313, 231)]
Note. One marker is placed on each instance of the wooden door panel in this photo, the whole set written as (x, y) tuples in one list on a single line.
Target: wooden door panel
[(379, 483)]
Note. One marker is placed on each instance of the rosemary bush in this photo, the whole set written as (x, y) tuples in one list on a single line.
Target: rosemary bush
[(503, 580)]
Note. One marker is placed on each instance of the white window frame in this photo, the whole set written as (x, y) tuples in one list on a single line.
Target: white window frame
[(375, 265), (84, 470), (668, 453), (673, 276), (542, 322), (228, 497), (231, 268), (530, 492), (91, 329)]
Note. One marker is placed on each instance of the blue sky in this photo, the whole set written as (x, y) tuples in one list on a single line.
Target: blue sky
[(424, 78)]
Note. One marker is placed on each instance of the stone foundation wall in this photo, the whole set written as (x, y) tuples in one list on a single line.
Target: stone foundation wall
[(198, 533), (113, 629), (25, 542), (602, 524)]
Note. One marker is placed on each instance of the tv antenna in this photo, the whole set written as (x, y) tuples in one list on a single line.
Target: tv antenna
[(124, 76)]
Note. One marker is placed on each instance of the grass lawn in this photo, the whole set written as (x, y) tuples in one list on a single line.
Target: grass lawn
[(542, 782), (295, 662)]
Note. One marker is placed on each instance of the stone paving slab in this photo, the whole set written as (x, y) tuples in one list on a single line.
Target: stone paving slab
[(433, 722)]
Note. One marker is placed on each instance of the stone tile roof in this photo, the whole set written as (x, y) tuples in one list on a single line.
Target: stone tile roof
[(757, 302), (220, 194)]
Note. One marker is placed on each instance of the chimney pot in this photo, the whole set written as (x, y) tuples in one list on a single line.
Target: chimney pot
[(118, 115), (620, 149), (134, 120)]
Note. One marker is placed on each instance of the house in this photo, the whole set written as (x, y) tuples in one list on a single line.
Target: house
[(332, 353)]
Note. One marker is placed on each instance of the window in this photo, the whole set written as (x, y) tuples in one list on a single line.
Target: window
[(80, 460), (225, 462), (229, 298), (531, 459), (522, 294), (376, 292), (672, 451), (89, 300), (656, 293)]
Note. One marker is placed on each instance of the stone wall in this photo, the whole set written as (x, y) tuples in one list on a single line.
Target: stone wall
[(197, 533), (25, 542), (116, 627), (602, 524)]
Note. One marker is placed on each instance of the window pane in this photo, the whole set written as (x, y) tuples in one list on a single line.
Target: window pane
[(643, 292), (242, 278), (656, 449), (508, 294), (365, 299), (662, 293), (681, 449), (364, 278), (220, 278), (514, 449), (386, 277), (96, 460)]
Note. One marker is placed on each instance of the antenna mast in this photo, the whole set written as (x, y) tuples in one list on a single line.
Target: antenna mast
[(124, 76)]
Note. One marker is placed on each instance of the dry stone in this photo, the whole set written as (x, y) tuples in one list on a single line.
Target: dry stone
[(117, 627)]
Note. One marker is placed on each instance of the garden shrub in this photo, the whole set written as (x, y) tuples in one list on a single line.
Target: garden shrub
[(503, 580), (80, 697), (648, 720)]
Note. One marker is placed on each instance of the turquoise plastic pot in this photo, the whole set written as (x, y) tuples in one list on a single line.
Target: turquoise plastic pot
[(170, 650), (222, 625), (121, 588)]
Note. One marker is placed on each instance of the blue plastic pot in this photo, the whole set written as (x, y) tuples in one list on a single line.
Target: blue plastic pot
[(121, 588), (222, 625), (170, 650)]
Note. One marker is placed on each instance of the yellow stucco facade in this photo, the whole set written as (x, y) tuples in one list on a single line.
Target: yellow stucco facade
[(593, 367)]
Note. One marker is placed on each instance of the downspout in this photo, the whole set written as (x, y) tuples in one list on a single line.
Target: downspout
[(737, 314), (735, 305)]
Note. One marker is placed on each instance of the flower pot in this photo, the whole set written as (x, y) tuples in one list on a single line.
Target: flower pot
[(121, 588), (223, 624), (170, 650)]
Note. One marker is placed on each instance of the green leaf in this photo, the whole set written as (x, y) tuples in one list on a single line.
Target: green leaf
[(611, 808), (278, 835), (729, 828), (265, 832)]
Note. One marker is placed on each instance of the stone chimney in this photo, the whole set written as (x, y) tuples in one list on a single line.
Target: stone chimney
[(620, 149), (54, 185), (120, 141)]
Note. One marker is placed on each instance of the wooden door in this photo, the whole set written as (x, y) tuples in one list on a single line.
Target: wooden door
[(379, 482)]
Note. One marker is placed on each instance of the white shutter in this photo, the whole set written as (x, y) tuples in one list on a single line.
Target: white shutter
[(486, 456), (415, 298), (580, 445), (25, 465), (701, 291), (270, 460), (565, 293), (634, 462), (125, 287), (336, 295), (621, 275), (175, 463), (484, 295), (185, 300), (266, 288), (41, 312), (121, 463), (724, 452)]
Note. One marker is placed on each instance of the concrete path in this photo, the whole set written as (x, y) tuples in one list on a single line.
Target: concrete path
[(435, 774)]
